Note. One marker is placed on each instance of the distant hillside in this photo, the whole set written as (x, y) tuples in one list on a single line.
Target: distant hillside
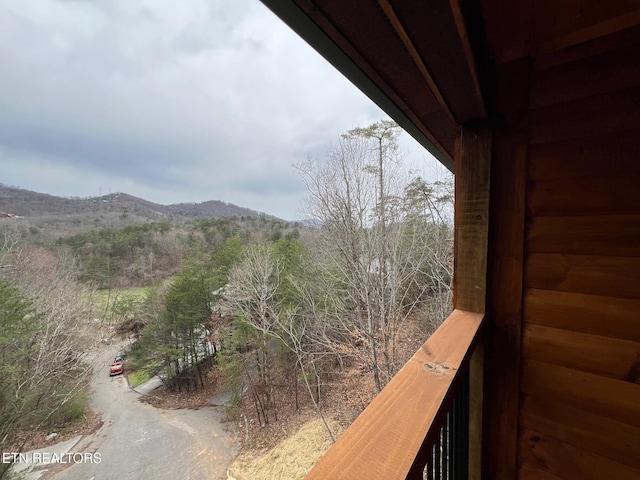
[(60, 216), (212, 209)]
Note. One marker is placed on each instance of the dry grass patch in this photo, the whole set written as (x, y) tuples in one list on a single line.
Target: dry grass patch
[(291, 459)]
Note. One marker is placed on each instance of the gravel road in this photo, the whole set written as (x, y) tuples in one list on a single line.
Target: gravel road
[(138, 441)]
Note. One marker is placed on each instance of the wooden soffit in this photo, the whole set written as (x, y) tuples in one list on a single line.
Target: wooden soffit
[(413, 58), (549, 29)]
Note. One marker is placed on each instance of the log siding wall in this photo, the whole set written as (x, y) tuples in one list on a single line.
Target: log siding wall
[(579, 413)]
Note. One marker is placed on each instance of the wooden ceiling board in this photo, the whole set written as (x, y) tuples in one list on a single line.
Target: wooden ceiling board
[(363, 25), (508, 29), (434, 33)]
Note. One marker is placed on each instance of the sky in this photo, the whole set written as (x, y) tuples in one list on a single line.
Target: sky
[(170, 101)]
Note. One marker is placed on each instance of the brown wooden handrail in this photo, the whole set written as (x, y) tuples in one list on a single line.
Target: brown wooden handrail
[(390, 438)]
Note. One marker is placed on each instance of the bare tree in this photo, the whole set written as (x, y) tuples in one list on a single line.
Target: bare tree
[(10, 235), (251, 291), (373, 248), (65, 307), (47, 368), (430, 205)]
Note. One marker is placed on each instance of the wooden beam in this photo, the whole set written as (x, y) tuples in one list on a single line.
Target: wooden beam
[(466, 42), (472, 182), (415, 56), (391, 439)]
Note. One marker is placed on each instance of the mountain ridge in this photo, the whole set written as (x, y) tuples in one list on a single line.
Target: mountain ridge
[(28, 203)]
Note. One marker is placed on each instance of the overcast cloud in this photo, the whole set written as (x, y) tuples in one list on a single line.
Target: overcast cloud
[(170, 101)]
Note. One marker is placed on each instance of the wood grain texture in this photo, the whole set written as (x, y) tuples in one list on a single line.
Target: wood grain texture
[(472, 183), (606, 356), (598, 29), (614, 440), (590, 314), (566, 462), (613, 154), (394, 430), (594, 275), (605, 195), (609, 71), (530, 472), (593, 116), (598, 46), (607, 397), (607, 235)]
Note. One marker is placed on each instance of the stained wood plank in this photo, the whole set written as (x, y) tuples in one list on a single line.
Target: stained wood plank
[(530, 472), (584, 196), (472, 183), (597, 46), (614, 399), (613, 70), (594, 275), (385, 440), (610, 357), (591, 314), (615, 235), (596, 115), (554, 20), (613, 154), (596, 30), (568, 462), (614, 440)]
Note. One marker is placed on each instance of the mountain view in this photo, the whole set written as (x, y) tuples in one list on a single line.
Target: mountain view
[(247, 342), (39, 206)]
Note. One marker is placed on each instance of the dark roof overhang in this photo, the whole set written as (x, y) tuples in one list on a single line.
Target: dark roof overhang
[(413, 59)]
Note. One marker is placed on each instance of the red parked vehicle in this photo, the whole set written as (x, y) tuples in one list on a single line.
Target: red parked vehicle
[(116, 368)]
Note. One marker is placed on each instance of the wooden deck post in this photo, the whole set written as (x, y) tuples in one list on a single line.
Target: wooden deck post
[(472, 181), (472, 217)]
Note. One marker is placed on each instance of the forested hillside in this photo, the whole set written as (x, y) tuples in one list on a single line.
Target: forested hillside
[(139, 255), (53, 217)]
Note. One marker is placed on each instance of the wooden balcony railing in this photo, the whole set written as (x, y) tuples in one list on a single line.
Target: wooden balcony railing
[(394, 437)]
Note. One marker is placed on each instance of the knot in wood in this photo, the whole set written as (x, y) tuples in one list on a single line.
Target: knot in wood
[(439, 368)]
